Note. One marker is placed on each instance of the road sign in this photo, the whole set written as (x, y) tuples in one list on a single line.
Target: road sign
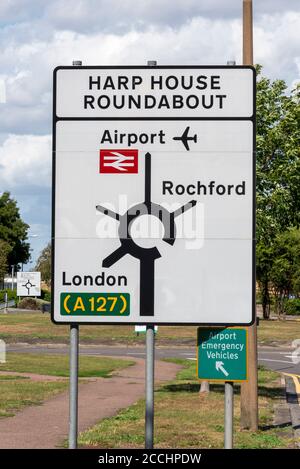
[(153, 195), (140, 329), (29, 283), (222, 354)]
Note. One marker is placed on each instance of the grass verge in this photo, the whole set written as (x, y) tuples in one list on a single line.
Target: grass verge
[(58, 365), (18, 392), (37, 327), (184, 418)]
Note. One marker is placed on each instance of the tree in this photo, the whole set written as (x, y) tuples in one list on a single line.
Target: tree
[(285, 271), (278, 170), (13, 230), (4, 251), (277, 153), (263, 269), (43, 264)]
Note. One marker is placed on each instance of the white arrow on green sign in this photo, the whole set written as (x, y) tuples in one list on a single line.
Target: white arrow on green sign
[(222, 354)]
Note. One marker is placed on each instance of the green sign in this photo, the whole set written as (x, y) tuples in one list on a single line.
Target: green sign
[(222, 354), (92, 304)]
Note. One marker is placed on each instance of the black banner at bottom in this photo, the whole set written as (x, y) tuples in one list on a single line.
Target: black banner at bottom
[(134, 458)]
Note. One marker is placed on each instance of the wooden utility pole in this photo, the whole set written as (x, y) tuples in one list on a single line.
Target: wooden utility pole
[(249, 398), (247, 33)]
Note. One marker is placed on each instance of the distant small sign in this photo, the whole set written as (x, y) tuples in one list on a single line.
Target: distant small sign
[(29, 283), (142, 329)]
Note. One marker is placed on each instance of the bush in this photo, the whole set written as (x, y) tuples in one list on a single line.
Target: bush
[(47, 296), (29, 303), (11, 295), (292, 306)]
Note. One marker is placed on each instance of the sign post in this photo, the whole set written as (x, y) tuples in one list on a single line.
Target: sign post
[(228, 415), (149, 410), (223, 356), (73, 380), (6, 302), (150, 367), (73, 390)]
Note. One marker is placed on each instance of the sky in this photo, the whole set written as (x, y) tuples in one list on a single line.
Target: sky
[(38, 35)]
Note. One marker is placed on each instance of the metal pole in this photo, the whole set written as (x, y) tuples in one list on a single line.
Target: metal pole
[(5, 302), (73, 416), (228, 396), (149, 414), (228, 415), (249, 395), (74, 352), (150, 352), (12, 276)]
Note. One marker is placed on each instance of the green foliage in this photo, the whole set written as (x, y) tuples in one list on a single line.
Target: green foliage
[(13, 230), (292, 306), (4, 251), (278, 162), (284, 269), (11, 295), (278, 181), (43, 264), (263, 267), (45, 294)]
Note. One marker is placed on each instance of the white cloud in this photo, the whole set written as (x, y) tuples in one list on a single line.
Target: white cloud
[(25, 171), (120, 16), (25, 161), (277, 45), (37, 35), (19, 10), (28, 66)]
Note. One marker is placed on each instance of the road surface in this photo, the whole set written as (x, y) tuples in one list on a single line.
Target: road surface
[(275, 358)]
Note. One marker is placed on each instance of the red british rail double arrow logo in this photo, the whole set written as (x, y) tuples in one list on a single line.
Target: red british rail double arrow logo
[(119, 161)]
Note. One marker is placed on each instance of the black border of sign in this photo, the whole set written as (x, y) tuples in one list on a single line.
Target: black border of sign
[(162, 67)]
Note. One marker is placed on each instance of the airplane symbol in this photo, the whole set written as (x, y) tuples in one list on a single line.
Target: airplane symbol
[(184, 138)]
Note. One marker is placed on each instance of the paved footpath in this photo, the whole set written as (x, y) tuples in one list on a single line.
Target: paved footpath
[(46, 426)]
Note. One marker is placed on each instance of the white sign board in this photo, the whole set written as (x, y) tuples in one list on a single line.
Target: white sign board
[(29, 283), (153, 195), (142, 329)]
